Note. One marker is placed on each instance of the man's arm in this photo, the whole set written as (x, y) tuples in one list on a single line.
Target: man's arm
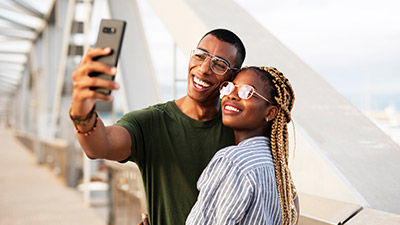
[(111, 142)]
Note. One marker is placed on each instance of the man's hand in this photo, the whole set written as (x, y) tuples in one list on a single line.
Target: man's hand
[(83, 98), (111, 142), (145, 219)]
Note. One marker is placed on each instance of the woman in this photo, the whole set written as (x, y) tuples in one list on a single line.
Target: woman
[(250, 182)]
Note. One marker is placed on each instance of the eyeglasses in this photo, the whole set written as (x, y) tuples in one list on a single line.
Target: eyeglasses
[(218, 65), (244, 92)]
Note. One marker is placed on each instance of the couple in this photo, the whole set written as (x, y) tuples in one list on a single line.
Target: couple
[(172, 143)]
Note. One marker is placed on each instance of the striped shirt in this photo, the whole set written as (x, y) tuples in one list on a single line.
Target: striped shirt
[(238, 187)]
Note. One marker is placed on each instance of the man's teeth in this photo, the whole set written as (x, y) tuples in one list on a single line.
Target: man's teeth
[(231, 108), (198, 82)]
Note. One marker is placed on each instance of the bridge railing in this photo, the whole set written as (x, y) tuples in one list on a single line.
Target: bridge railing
[(60, 156), (127, 195)]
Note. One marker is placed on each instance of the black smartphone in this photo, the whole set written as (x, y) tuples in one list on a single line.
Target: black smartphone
[(111, 34)]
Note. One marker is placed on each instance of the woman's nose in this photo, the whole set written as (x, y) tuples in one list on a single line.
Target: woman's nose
[(234, 94)]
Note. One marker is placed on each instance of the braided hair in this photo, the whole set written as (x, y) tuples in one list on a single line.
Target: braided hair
[(280, 91)]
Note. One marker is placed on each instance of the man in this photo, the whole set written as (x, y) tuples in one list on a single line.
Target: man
[(171, 142)]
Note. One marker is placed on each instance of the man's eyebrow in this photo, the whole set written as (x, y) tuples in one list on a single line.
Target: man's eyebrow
[(202, 49), (219, 57)]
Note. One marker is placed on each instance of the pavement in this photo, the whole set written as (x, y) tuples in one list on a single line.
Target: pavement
[(31, 194)]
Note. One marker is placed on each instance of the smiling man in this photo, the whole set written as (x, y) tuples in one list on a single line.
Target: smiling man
[(171, 142)]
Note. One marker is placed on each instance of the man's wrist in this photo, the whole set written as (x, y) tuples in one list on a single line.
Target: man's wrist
[(91, 130), (82, 120)]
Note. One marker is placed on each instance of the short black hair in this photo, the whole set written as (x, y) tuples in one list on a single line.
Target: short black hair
[(230, 37)]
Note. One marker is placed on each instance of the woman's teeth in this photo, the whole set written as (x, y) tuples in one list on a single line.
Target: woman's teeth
[(231, 108)]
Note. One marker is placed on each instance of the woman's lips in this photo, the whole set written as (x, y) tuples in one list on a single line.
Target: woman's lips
[(230, 108)]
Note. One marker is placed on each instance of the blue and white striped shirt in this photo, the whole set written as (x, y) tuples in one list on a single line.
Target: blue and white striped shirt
[(238, 187)]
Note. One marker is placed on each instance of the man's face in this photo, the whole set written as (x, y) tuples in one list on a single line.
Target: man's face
[(203, 83)]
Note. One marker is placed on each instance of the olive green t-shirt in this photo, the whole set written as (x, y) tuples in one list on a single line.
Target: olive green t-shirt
[(171, 150)]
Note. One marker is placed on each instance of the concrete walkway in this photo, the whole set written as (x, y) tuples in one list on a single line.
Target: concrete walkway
[(30, 194)]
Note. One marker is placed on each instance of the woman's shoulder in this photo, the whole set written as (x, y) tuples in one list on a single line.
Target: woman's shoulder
[(246, 157)]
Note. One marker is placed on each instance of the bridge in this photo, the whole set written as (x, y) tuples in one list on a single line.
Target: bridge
[(343, 161)]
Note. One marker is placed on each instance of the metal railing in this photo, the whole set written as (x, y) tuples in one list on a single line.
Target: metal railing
[(61, 157), (127, 200), (126, 193)]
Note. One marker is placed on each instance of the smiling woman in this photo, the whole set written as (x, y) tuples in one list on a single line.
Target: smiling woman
[(250, 182)]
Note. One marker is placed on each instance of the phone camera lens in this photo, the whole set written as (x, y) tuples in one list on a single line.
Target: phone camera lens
[(109, 30)]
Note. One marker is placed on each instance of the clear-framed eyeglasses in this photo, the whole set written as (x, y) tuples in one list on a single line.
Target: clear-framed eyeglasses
[(218, 65), (244, 92)]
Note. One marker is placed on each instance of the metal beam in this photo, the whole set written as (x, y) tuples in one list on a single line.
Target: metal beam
[(135, 62), (13, 57), (8, 80), (29, 8), (10, 73), (9, 87), (62, 65), (8, 52), (18, 33), (7, 66), (3, 12)]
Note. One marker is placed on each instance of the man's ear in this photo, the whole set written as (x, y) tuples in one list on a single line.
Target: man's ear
[(271, 112)]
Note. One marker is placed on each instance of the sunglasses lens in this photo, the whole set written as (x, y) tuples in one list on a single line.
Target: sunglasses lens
[(226, 88), (245, 92)]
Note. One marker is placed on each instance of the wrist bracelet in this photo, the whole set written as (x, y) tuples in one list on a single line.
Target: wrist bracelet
[(85, 120), (91, 129)]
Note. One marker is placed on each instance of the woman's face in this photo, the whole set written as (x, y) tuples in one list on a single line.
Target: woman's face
[(246, 114)]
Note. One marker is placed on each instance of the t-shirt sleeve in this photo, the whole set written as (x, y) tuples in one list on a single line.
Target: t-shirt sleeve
[(136, 122), (225, 194)]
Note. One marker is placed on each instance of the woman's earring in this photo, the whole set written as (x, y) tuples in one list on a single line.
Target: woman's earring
[(266, 119)]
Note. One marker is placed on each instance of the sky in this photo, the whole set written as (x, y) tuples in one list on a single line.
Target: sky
[(352, 44)]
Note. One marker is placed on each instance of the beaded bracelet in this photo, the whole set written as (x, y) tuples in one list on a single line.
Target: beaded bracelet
[(91, 129), (85, 120)]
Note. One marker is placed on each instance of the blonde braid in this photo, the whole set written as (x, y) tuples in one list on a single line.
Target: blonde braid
[(280, 151), (279, 141)]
